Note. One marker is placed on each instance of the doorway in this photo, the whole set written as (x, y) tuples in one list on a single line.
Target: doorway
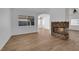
[(44, 22)]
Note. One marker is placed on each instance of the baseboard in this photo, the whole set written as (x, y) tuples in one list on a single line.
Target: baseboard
[(24, 34), (13, 36), (5, 43)]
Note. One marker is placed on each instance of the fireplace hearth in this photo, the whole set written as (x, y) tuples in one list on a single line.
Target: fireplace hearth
[(60, 29)]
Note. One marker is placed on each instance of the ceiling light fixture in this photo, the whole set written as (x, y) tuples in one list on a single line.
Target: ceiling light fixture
[(75, 10)]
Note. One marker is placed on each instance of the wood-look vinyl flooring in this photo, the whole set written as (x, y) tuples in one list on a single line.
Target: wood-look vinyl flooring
[(43, 41)]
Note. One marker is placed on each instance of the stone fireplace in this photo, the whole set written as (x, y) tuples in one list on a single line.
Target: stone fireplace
[(59, 29)]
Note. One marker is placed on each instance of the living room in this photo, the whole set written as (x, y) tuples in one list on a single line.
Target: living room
[(19, 29)]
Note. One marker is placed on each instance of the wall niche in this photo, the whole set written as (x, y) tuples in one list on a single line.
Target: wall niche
[(24, 20)]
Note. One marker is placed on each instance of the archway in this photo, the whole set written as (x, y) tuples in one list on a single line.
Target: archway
[(44, 22)]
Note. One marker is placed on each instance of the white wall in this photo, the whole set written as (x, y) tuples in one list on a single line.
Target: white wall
[(73, 16), (56, 14), (9, 20), (5, 26), (22, 29)]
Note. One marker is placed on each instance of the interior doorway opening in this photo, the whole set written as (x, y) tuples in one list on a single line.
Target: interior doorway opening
[(44, 22)]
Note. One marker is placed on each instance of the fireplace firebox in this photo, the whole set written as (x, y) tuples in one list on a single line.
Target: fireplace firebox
[(60, 29)]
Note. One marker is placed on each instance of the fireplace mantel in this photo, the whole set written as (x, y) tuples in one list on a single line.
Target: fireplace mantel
[(64, 24)]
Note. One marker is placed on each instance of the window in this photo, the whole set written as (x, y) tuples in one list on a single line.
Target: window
[(74, 22)]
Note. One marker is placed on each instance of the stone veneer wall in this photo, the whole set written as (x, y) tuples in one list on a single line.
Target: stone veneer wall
[(57, 26)]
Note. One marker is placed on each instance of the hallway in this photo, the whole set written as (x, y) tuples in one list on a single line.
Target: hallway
[(42, 41)]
